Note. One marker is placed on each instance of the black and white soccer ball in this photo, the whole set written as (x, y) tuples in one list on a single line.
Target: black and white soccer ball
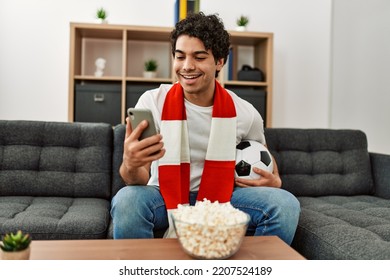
[(251, 154)]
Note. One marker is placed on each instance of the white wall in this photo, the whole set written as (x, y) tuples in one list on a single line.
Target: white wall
[(34, 54), (361, 69), (34, 49)]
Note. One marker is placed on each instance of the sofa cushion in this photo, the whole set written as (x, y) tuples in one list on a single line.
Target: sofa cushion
[(55, 217), (55, 159), (316, 162), (341, 227)]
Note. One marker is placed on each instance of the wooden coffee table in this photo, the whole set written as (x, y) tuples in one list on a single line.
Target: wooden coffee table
[(252, 248)]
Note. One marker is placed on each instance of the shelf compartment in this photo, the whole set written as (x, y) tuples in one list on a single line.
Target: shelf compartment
[(253, 56), (140, 51), (110, 50)]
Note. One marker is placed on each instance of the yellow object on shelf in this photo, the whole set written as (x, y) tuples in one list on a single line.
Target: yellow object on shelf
[(183, 9)]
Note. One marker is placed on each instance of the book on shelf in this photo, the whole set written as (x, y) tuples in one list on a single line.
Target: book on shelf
[(230, 65), (184, 7)]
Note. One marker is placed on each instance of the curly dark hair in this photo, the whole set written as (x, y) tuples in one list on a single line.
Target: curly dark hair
[(209, 29)]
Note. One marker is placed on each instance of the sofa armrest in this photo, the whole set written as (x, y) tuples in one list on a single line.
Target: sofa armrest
[(117, 156), (380, 164)]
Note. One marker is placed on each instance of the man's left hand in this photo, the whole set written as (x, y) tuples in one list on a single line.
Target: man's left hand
[(267, 179)]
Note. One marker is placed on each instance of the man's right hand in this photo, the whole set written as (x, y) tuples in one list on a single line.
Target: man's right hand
[(139, 154)]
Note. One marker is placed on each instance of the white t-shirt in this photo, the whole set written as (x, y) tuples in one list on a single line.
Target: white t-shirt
[(249, 127)]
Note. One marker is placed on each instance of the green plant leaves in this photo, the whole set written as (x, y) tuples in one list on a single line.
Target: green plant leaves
[(15, 241)]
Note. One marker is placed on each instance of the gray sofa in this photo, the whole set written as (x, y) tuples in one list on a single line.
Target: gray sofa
[(57, 180), (343, 189)]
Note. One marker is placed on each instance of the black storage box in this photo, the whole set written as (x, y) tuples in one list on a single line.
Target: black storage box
[(254, 95), (248, 73), (98, 103), (135, 90)]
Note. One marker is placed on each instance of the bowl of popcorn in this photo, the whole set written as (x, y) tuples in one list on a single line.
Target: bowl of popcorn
[(210, 230)]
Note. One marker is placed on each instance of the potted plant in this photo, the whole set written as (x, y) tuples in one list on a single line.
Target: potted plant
[(150, 68), (16, 246), (242, 22), (101, 15)]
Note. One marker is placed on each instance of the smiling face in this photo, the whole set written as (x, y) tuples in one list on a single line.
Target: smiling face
[(195, 69)]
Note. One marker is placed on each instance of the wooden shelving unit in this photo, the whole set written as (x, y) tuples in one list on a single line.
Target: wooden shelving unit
[(126, 47)]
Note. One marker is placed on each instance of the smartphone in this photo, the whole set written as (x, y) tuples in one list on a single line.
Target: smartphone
[(138, 115)]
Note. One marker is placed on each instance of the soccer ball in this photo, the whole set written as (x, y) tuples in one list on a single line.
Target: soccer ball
[(251, 154)]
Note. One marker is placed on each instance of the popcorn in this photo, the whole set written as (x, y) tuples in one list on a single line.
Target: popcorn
[(210, 230)]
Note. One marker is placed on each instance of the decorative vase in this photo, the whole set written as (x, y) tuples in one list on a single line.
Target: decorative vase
[(18, 255), (150, 74)]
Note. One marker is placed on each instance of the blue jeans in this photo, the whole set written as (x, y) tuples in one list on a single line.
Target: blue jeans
[(139, 210)]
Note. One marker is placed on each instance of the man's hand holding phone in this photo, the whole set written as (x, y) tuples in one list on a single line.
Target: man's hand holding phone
[(142, 145), (137, 116), (142, 134)]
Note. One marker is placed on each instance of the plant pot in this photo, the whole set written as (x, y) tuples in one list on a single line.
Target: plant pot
[(240, 28), (150, 74), (18, 255), (102, 21)]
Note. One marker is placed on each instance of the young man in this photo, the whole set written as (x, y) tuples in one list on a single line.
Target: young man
[(194, 156)]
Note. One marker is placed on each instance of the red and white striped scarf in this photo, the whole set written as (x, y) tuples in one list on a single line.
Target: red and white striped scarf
[(217, 179)]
